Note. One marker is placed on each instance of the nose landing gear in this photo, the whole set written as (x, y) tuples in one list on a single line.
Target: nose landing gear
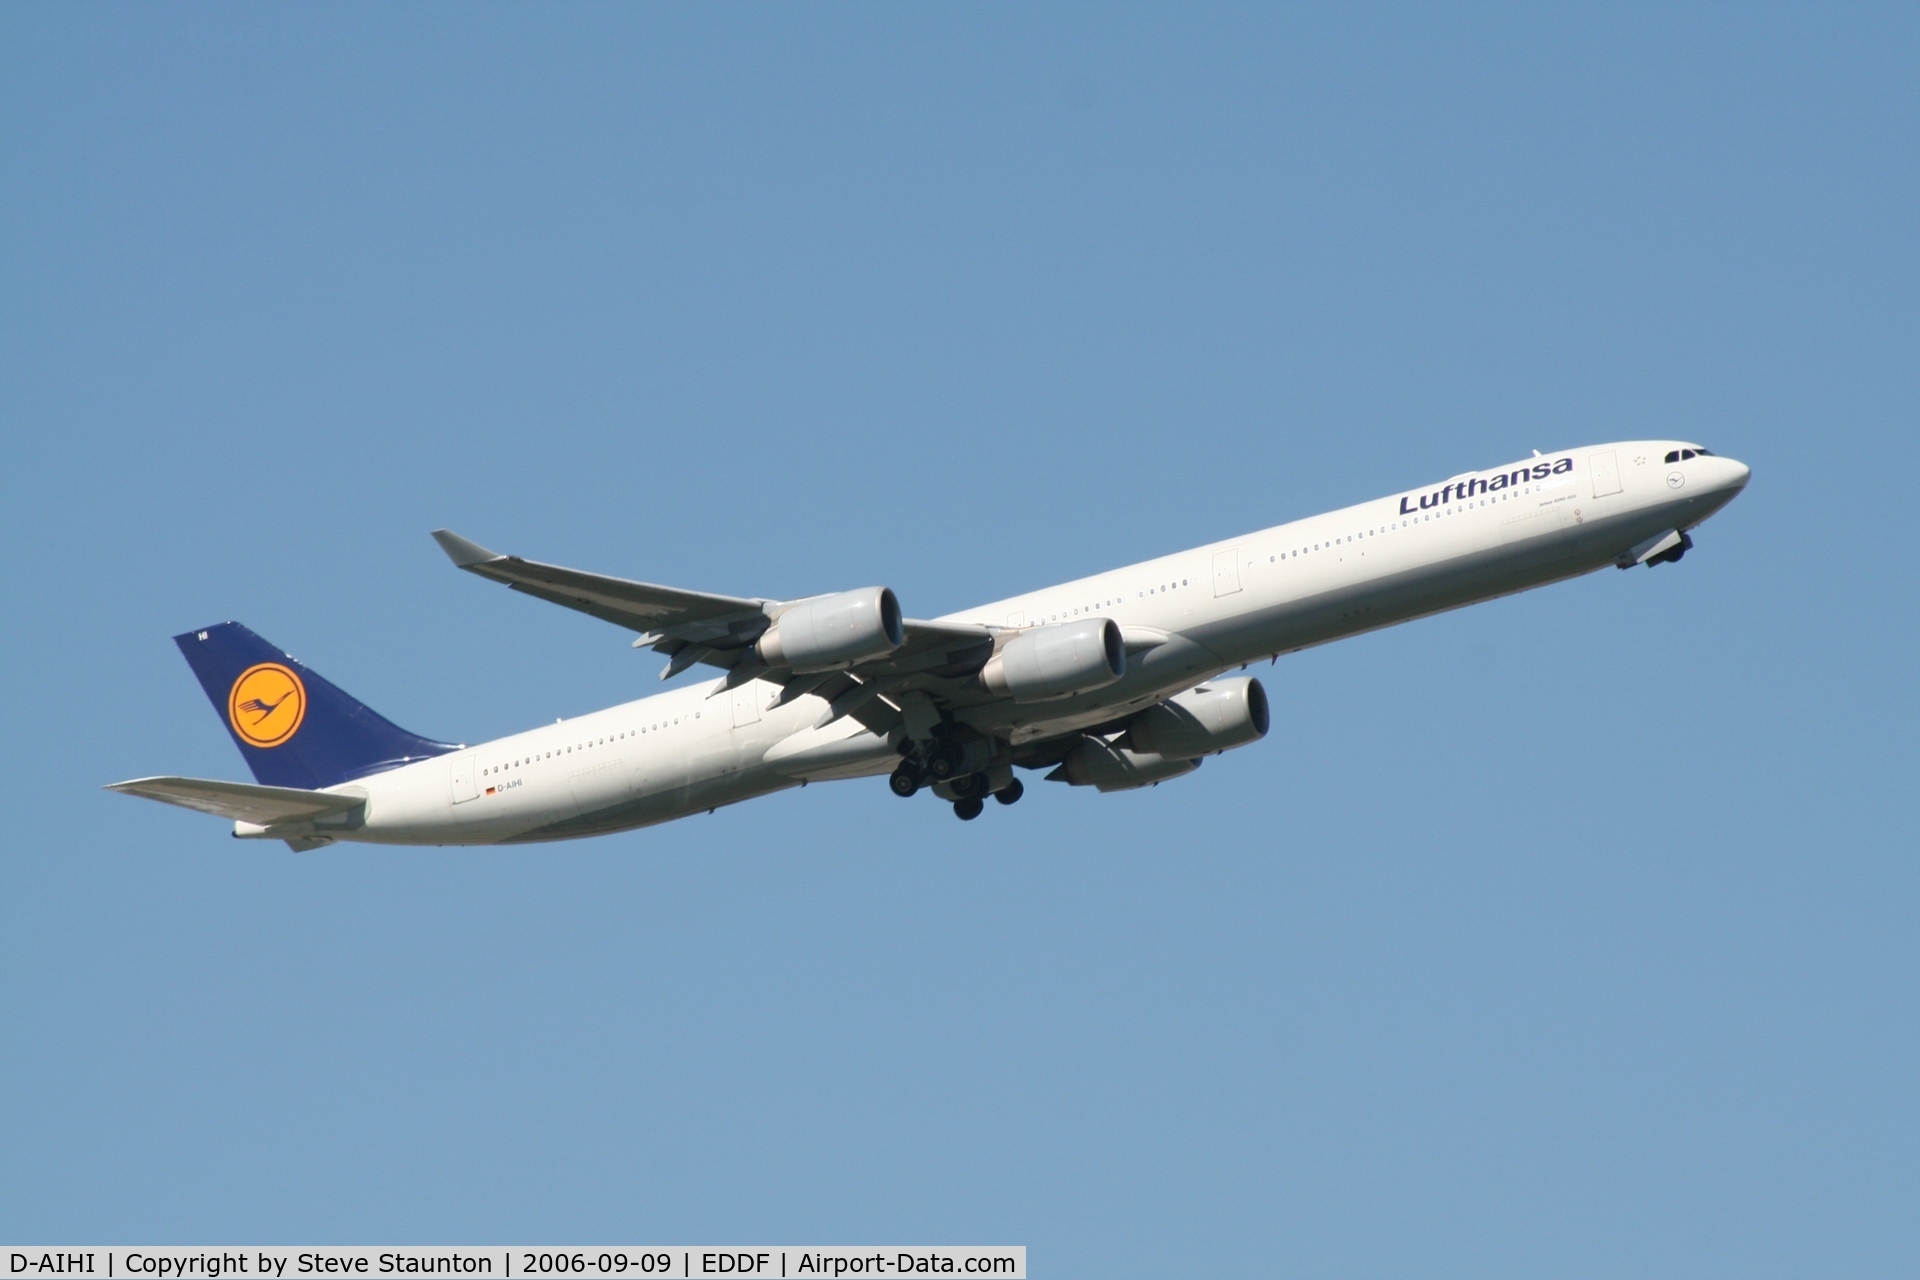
[(1662, 548)]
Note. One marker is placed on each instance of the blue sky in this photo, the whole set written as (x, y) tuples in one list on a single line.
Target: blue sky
[(1568, 935)]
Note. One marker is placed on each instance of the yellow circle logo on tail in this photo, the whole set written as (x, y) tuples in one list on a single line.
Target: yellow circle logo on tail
[(267, 704)]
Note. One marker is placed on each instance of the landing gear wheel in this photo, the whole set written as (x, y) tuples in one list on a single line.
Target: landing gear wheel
[(1010, 793), (969, 809), (971, 787), (941, 764), (904, 782)]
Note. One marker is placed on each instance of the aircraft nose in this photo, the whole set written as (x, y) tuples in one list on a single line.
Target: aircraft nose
[(1737, 474)]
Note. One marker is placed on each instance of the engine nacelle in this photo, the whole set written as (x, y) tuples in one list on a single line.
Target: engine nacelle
[(1217, 716), (1052, 662), (834, 631), (1097, 763)]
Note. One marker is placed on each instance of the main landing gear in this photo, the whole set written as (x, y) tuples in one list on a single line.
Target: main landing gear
[(968, 791)]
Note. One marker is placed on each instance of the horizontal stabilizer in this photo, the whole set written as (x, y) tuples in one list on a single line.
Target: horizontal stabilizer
[(242, 801)]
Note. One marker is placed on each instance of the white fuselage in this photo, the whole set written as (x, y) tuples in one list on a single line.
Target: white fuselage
[(1187, 617)]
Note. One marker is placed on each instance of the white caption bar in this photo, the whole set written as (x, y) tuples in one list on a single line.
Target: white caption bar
[(531, 1262)]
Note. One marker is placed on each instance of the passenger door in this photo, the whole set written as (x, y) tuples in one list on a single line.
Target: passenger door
[(1226, 572), (462, 777), (1606, 474)]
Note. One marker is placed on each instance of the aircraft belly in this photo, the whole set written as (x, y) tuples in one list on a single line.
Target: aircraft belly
[(673, 779), (652, 810), (844, 748)]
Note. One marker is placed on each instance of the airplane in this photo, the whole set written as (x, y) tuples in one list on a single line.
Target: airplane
[(1117, 681)]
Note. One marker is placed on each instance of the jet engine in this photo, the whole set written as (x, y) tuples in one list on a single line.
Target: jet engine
[(1052, 662), (1167, 741), (1217, 716), (832, 632), (1110, 767)]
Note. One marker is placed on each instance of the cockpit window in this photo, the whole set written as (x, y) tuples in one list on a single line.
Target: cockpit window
[(1673, 455), (1681, 455)]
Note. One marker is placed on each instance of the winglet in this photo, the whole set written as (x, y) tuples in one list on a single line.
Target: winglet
[(462, 552)]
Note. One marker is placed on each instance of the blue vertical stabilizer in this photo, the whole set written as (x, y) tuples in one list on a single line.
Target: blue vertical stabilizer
[(295, 728)]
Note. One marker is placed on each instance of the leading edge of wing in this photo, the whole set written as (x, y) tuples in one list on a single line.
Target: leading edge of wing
[(695, 626), (638, 606)]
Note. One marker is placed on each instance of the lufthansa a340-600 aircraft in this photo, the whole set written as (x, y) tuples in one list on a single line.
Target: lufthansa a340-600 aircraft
[(1114, 681)]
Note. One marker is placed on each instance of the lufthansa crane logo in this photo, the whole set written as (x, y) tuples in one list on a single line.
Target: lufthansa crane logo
[(266, 705)]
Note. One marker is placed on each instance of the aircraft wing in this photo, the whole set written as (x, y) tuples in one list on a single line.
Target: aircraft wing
[(241, 801), (638, 606), (695, 626)]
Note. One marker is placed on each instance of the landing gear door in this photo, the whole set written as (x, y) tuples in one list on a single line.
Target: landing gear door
[(1226, 571), (1606, 474), (463, 777)]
